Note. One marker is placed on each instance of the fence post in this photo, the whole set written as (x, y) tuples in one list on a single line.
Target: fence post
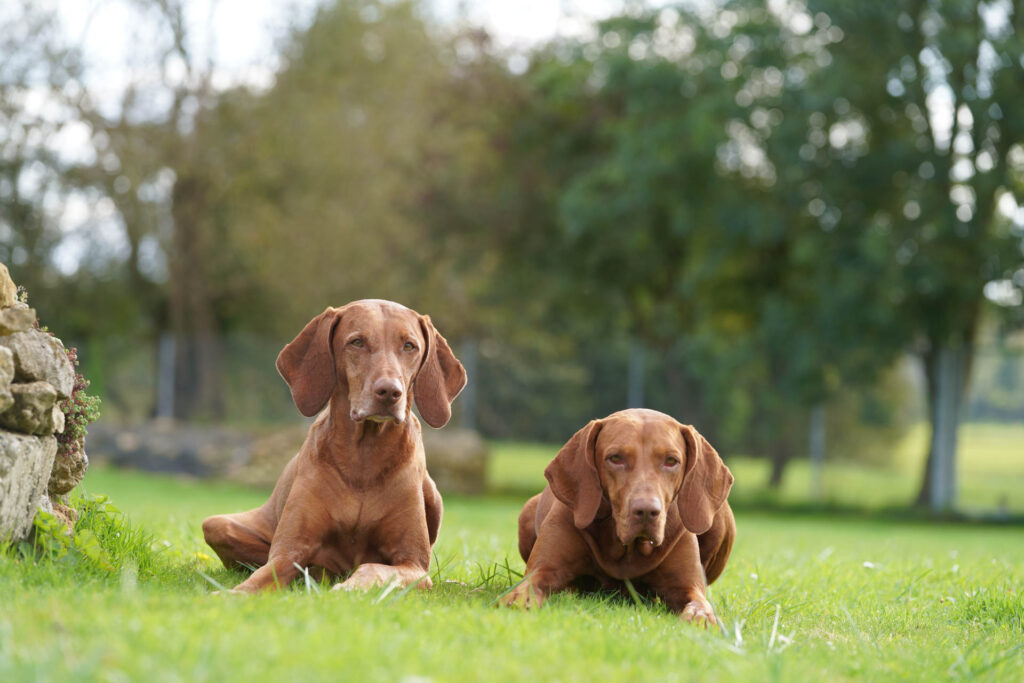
[(468, 398), (635, 380), (165, 377), (816, 446)]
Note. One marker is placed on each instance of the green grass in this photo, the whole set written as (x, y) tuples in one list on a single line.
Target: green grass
[(804, 597)]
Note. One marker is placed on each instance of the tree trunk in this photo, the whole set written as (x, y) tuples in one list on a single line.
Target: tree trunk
[(924, 492), (198, 384), (780, 458), (946, 369), (788, 439), (686, 396), (165, 376)]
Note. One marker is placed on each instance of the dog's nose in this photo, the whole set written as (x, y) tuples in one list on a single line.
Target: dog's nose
[(387, 390), (645, 509)]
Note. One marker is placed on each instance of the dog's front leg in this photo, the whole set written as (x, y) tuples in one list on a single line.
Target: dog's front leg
[(295, 542), (405, 547), (278, 572), (679, 580), (559, 555)]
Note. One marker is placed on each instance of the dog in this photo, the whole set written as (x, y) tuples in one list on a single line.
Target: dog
[(635, 496), (357, 495)]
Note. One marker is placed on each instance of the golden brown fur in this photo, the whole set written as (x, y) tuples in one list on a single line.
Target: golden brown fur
[(634, 496), (357, 495)]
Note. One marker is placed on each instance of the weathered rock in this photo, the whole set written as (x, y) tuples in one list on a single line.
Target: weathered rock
[(16, 319), (68, 471), (167, 446), (57, 420), (268, 455), (6, 377), (6, 367), (25, 464), (456, 459), (40, 357), (32, 410), (8, 290)]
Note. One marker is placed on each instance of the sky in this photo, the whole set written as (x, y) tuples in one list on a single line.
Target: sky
[(241, 39), (241, 36)]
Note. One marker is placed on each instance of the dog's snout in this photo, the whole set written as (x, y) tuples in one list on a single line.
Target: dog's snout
[(387, 390), (645, 509)]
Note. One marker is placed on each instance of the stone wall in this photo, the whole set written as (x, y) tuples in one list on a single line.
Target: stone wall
[(35, 376), (456, 458)]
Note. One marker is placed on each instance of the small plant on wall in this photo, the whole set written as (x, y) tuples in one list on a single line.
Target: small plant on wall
[(79, 410)]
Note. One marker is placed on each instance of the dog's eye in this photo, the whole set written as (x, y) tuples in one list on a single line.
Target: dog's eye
[(671, 461), (615, 459), (358, 343), (409, 346)]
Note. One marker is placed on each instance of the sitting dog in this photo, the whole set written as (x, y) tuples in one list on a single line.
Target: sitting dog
[(634, 496), (357, 495)]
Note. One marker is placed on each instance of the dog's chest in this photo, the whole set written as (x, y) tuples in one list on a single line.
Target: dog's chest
[(352, 539)]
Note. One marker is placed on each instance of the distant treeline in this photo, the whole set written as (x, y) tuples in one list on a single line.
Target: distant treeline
[(737, 212)]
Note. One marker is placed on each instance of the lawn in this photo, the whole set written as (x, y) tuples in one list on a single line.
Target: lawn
[(805, 597)]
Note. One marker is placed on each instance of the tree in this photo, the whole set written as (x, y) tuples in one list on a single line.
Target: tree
[(681, 210), (144, 162), (33, 70), (943, 128), (323, 167)]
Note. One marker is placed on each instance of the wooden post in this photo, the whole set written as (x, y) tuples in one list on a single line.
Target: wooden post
[(635, 380), (816, 447)]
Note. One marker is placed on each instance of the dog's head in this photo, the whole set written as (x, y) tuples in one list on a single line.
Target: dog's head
[(640, 463), (376, 354)]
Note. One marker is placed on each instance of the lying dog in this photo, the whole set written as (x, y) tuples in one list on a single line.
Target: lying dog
[(357, 495), (634, 496)]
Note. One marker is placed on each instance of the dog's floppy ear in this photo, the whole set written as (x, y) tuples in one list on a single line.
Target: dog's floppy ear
[(706, 482), (573, 475), (440, 379), (307, 363)]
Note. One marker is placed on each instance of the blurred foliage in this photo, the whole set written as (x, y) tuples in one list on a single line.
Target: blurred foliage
[(774, 202)]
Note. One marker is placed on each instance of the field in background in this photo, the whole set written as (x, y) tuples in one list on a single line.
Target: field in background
[(990, 471)]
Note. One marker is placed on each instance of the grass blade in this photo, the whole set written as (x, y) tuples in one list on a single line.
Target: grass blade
[(775, 627), (310, 585), (213, 582), (633, 594)]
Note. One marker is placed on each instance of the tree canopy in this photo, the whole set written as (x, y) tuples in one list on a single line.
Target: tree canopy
[(776, 202)]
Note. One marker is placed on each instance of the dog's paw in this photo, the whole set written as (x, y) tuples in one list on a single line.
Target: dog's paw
[(368, 576), (523, 596), (699, 612)]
